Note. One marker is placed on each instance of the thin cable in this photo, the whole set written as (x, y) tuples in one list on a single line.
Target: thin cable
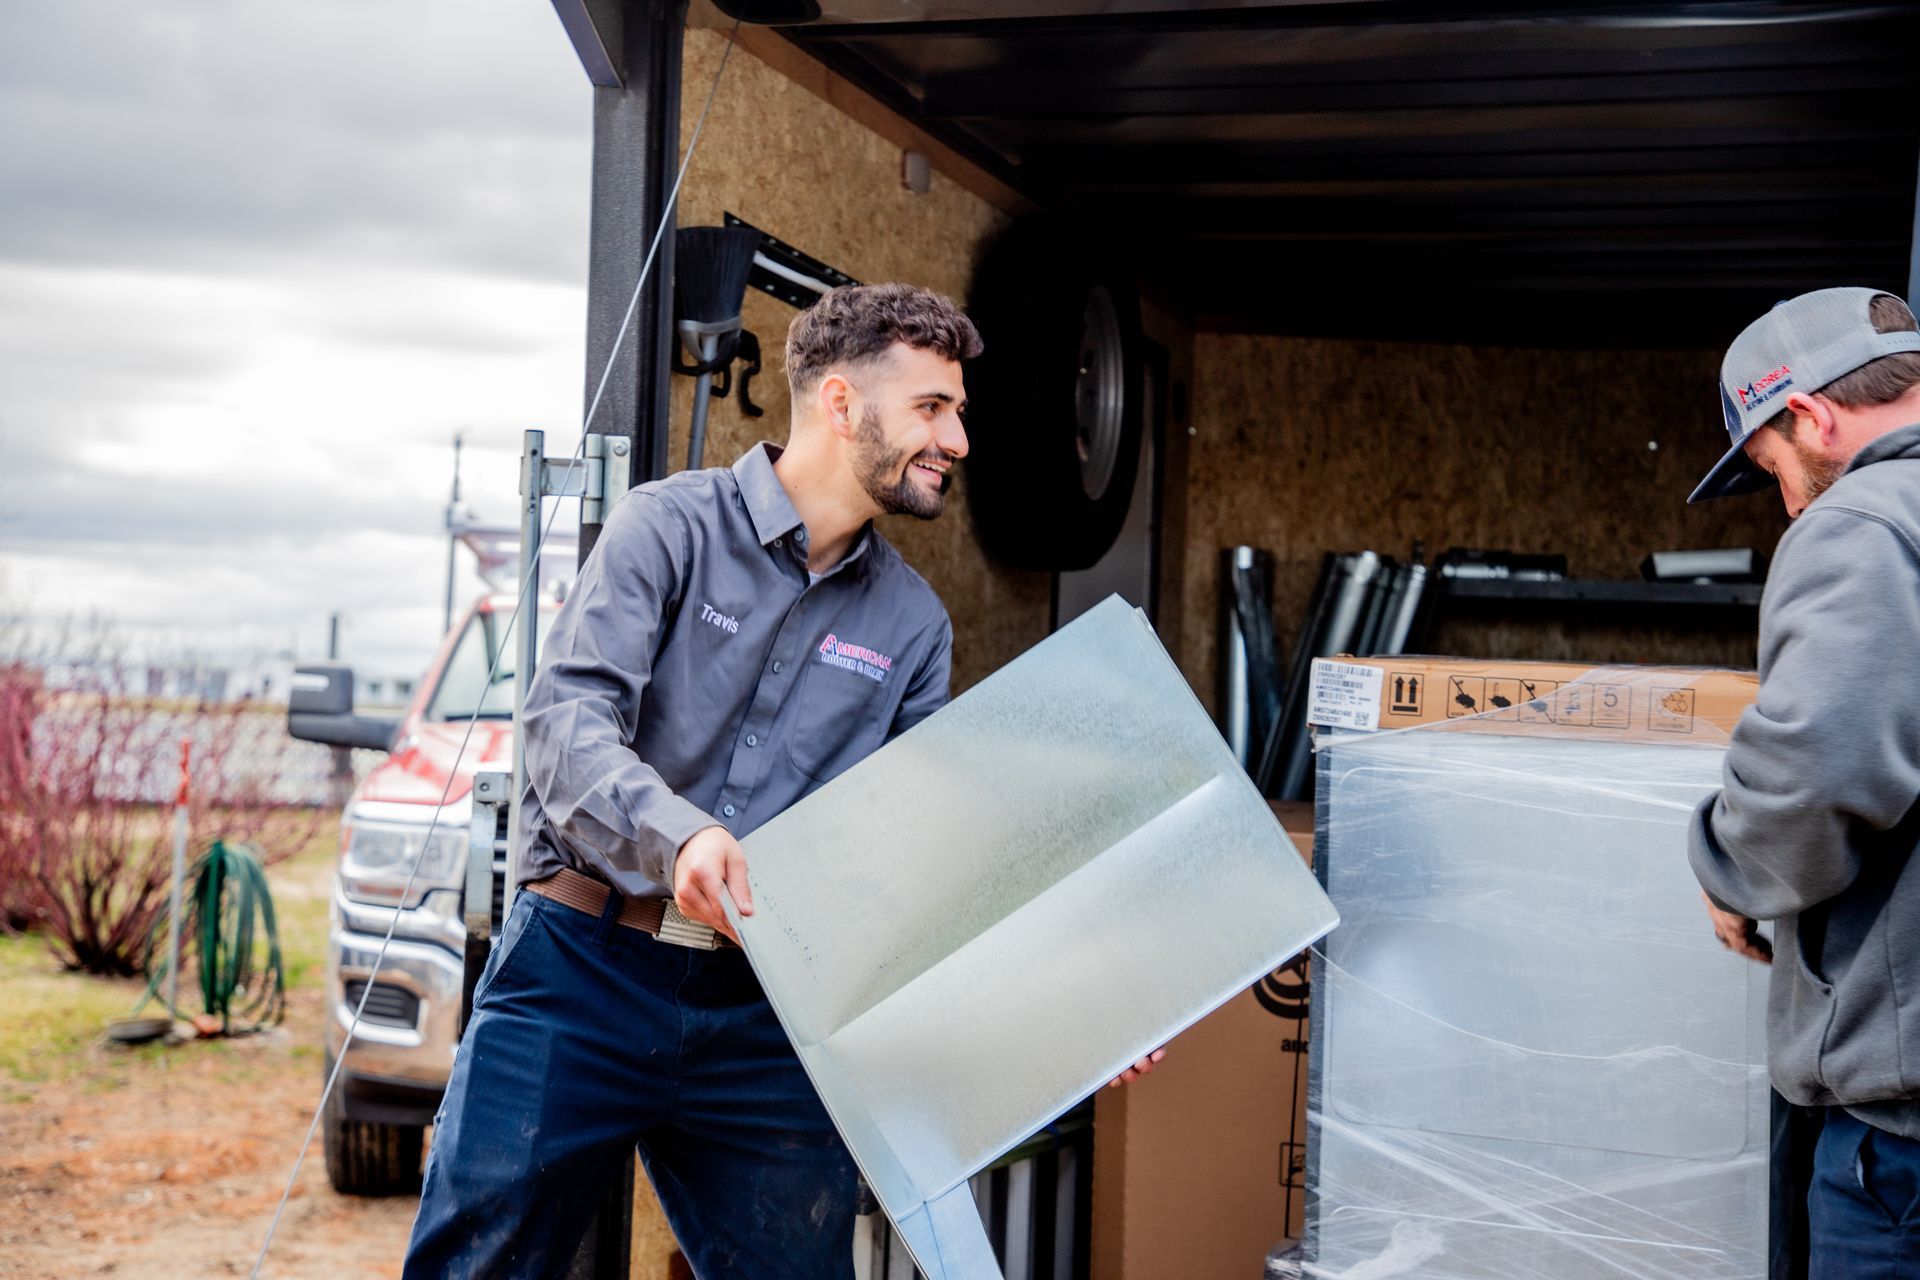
[(520, 599)]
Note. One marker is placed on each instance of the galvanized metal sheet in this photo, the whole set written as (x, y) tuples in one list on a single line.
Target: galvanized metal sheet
[(994, 914)]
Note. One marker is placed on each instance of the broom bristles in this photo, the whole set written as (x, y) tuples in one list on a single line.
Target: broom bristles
[(710, 269)]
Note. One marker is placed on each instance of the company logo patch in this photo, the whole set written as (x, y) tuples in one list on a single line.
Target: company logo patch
[(1764, 388), (1731, 412), (856, 658)]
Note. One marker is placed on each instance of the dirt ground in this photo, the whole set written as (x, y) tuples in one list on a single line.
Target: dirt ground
[(168, 1162)]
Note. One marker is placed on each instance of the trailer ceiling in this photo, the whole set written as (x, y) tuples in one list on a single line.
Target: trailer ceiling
[(1620, 174)]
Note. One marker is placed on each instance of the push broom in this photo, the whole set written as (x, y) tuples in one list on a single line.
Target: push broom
[(710, 269)]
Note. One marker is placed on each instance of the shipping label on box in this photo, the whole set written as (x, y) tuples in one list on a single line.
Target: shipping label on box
[(1344, 695)]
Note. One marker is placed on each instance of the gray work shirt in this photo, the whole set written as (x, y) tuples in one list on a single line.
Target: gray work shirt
[(695, 676)]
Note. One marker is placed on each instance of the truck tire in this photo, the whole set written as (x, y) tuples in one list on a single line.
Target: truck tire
[(367, 1159), (1055, 401)]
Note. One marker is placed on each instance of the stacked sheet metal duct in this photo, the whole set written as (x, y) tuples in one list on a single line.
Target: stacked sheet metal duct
[(995, 913), (1363, 603), (1530, 1056), (1249, 677)]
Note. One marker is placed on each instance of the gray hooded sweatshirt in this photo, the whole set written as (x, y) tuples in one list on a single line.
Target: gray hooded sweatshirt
[(1816, 825)]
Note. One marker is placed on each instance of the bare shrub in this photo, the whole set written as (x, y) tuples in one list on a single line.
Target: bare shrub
[(87, 774), (21, 900)]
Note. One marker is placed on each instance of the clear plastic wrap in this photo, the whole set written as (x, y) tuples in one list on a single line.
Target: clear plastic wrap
[(1530, 1056), (984, 921)]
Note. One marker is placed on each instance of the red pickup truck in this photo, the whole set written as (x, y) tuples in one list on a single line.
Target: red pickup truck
[(396, 1068)]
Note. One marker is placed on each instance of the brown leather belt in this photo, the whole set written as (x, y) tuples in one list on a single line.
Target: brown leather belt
[(656, 916)]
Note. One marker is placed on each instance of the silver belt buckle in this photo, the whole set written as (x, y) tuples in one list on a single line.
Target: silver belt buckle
[(682, 932)]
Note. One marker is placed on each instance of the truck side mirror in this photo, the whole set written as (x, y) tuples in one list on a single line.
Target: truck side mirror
[(320, 709)]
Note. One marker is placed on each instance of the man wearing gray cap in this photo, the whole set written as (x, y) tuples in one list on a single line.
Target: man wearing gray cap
[(1816, 826)]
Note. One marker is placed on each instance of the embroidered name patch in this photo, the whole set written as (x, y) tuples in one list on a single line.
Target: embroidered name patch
[(856, 658), (713, 617)]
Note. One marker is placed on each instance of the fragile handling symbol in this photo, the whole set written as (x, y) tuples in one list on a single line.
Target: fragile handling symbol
[(1467, 695)]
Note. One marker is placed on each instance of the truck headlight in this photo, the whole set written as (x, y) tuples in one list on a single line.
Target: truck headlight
[(377, 857)]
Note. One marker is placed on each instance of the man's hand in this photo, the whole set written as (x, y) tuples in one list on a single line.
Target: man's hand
[(710, 860), (1738, 934), (1138, 1069)]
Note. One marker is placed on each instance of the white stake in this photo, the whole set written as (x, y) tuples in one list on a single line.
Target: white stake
[(179, 874)]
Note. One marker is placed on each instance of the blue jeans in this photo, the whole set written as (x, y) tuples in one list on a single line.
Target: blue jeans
[(589, 1040), (1863, 1213)]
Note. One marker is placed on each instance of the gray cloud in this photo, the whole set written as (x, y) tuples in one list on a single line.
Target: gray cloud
[(257, 263), (388, 588), (216, 136), (468, 334), (74, 508), (74, 351)]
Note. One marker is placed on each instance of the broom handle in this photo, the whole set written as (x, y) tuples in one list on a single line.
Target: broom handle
[(697, 436), (702, 392)]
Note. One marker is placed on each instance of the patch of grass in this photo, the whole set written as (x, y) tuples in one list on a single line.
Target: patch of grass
[(301, 909), (51, 1019)]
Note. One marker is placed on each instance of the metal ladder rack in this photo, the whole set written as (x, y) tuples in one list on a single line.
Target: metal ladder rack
[(484, 899)]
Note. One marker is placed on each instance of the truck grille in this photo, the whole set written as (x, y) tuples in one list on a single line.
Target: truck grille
[(388, 1005)]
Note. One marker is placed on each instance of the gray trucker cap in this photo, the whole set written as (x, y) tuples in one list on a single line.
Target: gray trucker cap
[(1801, 345)]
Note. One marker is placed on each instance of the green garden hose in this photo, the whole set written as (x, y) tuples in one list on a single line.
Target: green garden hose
[(228, 909)]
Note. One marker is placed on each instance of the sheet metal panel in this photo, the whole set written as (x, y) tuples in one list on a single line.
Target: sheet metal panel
[(993, 915)]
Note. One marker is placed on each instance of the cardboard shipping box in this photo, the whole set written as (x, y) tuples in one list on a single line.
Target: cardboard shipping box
[(1197, 1170), (1636, 704)]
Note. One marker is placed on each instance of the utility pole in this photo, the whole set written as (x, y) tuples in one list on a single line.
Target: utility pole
[(453, 538)]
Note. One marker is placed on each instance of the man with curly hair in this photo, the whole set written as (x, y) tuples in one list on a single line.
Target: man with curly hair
[(738, 637)]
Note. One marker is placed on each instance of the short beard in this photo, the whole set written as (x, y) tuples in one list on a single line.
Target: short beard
[(885, 473), (1820, 471)]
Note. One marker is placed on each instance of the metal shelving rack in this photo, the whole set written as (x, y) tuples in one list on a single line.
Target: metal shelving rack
[(1602, 592)]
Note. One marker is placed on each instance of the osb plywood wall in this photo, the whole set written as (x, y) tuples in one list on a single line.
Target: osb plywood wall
[(1305, 446), (792, 165)]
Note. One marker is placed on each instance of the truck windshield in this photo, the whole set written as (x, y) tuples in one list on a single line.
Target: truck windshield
[(464, 689)]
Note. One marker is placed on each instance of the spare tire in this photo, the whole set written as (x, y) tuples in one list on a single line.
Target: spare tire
[(1054, 403)]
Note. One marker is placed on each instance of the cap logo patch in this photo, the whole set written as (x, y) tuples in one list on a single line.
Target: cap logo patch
[(1763, 389)]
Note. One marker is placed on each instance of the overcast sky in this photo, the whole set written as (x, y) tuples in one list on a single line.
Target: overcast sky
[(258, 263)]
